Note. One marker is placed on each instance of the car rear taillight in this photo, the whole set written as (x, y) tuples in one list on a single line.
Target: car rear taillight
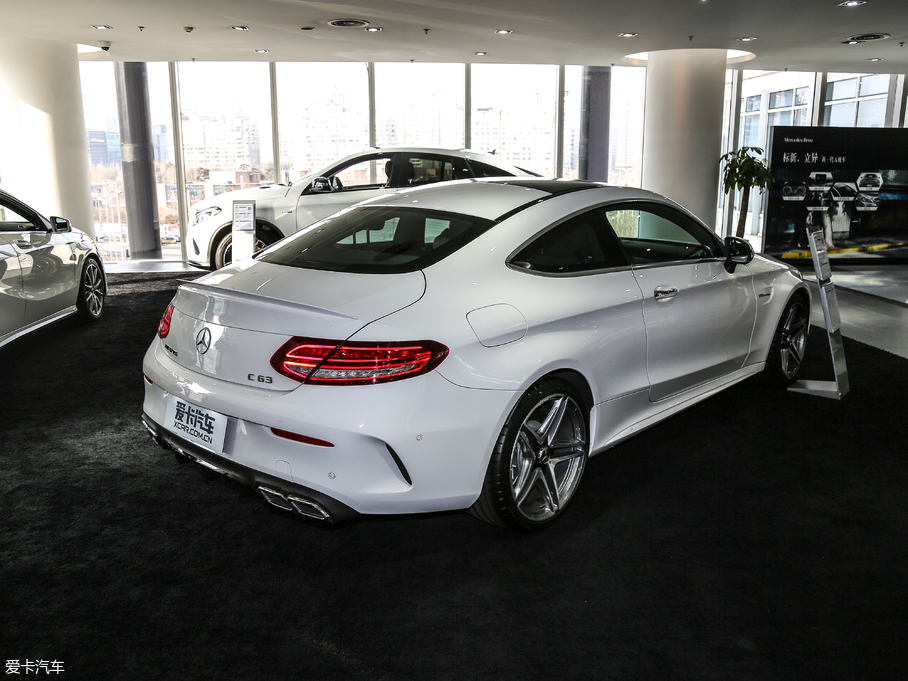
[(164, 325), (312, 360)]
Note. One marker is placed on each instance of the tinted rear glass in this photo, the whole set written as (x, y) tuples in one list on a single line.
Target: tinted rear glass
[(376, 240)]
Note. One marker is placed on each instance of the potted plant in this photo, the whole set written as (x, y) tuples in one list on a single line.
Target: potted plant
[(745, 169)]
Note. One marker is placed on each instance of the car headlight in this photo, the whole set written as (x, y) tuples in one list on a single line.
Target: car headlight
[(205, 214)]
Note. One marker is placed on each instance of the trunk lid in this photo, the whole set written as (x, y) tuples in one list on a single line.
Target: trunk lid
[(230, 323)]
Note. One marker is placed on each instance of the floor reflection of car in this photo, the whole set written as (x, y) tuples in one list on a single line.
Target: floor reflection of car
[(48, 271), (281, 210), (870, 182), (463, 345)]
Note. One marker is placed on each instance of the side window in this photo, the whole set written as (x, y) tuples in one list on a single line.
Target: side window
[(417, 170), (484, 170), (366, 174), (580, 244), (653, 233), (12, 221)]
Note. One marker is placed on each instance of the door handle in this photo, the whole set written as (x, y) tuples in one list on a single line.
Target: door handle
[(664, 292), (21, 243)]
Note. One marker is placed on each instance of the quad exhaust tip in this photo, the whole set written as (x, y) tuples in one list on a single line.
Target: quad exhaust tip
[(288, 502), (295, 504)]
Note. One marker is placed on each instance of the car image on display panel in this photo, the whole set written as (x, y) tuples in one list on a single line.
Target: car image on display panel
[(281, 210), (465, 345), (48, 271)]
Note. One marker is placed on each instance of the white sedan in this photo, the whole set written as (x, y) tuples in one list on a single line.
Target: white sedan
[(281, 210), (48, 271), (463, 346)]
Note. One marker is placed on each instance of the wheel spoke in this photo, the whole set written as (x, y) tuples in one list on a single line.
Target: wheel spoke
[(549, 488), (549, 428)]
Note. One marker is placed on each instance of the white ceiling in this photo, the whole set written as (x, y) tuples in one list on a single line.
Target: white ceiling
[(800, 35)]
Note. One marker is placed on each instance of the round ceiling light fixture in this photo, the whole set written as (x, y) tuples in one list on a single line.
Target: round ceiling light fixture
[(865, 38), (503, 31), (348, 23), (852, 3), (372, 29), (748, 39)]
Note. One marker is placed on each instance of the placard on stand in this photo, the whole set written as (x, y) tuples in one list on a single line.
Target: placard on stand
[(838, 388), (243, 230)]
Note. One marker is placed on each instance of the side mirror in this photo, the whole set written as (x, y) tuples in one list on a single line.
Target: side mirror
[(738, 252), (60, 224), (320, 185)]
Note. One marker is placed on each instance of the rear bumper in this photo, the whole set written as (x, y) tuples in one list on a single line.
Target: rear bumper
[(278, 492)]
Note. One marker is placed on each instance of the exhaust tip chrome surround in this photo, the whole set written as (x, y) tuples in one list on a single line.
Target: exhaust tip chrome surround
[(295, 504)]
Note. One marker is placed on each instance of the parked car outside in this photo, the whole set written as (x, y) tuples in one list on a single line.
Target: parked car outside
[(466, 345), (48, 271), (281, 210)]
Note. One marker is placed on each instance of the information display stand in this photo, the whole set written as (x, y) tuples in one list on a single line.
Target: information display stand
[(839, 388), (243, 230)]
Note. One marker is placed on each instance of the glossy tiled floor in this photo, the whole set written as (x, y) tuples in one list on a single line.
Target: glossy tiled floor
[(873, 305)]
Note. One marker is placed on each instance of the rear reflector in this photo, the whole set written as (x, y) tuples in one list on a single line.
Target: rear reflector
[(312, 360), (296, 437)]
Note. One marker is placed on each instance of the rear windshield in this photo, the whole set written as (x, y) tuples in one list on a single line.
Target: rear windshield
[(377, 240)]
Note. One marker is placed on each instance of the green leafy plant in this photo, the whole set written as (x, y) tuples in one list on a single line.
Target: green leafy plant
[(745, 169)]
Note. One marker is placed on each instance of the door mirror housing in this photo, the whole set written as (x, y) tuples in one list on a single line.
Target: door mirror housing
[(738, 251), (320, 185), (60, 224)]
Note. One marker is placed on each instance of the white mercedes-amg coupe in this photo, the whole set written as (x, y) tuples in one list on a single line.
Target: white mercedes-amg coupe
[(466, 345)]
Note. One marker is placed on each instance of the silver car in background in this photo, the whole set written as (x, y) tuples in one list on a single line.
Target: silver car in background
[(48, 271), (282, 210)]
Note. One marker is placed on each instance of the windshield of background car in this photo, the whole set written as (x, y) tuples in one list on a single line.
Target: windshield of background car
[(378, 240)]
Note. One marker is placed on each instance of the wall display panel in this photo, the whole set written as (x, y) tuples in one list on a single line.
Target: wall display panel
[(419, 105), (852, 181)]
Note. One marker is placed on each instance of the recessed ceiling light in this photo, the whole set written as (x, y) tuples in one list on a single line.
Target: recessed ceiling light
[(874, 59), (503, 31), (307, 28), (481, 54), (748, 39), (852, 3), (348, 23), (866, 37), (628, 35), (240, 28), (372, 29), (261, 51), (102, 27)]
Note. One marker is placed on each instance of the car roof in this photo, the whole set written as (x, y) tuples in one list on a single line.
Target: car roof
[(498, 198)]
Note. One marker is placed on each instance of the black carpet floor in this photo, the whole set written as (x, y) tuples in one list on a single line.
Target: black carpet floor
[(759, 535)]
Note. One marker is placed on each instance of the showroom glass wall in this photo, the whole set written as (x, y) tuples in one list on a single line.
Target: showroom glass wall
[(323, 111)]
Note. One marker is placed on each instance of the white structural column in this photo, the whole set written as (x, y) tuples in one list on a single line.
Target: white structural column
[(43, 147), (683, 127)]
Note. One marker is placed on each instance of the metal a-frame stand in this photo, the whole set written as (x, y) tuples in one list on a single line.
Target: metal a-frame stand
[(838, 388)]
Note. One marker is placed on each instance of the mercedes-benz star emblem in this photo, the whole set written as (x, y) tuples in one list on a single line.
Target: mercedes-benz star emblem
[(203, 341)]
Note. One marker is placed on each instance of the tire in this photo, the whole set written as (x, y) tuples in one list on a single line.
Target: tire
[(223, 254), (786, 353), (538, 461), (92, 291)]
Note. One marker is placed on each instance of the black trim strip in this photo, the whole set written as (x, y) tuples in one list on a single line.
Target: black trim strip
[(248, 476)]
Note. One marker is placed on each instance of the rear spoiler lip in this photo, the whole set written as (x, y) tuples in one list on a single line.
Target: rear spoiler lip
[(190, 285)]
